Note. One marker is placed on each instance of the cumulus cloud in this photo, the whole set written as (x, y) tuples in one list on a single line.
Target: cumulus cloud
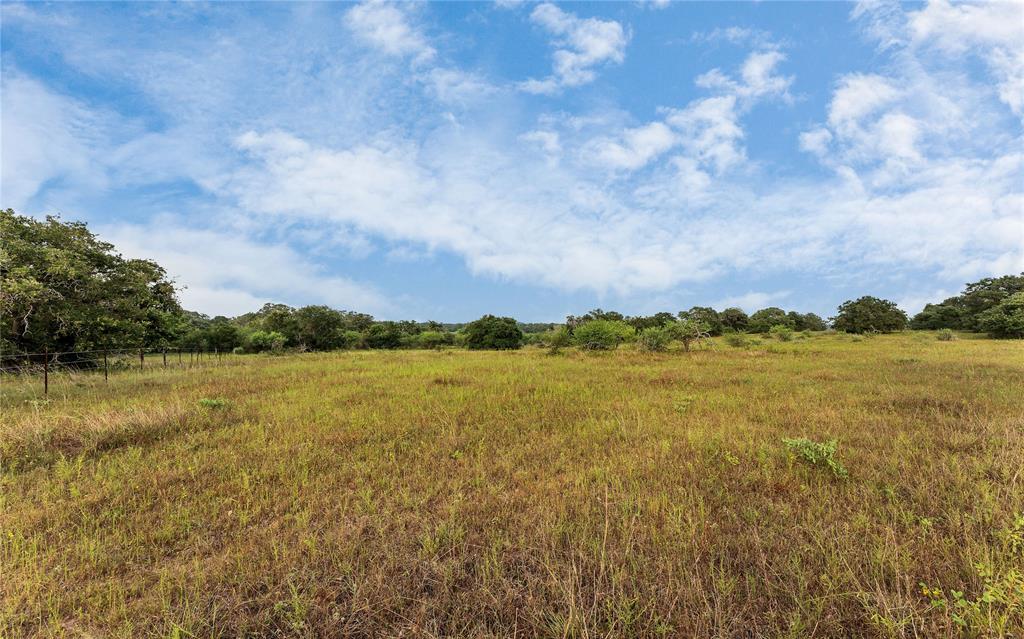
[(228, 274), (581, 45), (387, 28), (926, 159), (707, 129)]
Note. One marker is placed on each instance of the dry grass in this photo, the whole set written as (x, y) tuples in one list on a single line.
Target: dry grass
[(520, 494)]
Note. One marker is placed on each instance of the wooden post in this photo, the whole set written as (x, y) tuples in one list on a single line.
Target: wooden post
[(46, 370), (179, 357), (106, 369), (142, 358), (165, 358)]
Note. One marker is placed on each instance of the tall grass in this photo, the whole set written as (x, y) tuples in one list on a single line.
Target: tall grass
[(480, 494)]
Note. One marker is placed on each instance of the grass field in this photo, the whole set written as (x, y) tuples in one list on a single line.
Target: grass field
[(499, 494)]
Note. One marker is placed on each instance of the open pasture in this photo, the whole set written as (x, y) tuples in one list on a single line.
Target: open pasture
[(500, 494)]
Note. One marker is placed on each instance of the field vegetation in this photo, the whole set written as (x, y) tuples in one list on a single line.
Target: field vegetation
[(812, 485)]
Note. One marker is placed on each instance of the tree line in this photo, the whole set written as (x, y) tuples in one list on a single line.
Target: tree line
[(63, 289)]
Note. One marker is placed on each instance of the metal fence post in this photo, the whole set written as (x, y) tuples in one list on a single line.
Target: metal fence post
[(46, 370)]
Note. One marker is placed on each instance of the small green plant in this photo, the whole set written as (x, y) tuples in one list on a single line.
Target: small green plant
[(737, 340), (684, 403), (206, 402), (781, 332), (820, 454), (945, 335), (1001, 602)]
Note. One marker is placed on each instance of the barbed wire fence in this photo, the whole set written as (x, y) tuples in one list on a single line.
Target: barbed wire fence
[(51, 366)]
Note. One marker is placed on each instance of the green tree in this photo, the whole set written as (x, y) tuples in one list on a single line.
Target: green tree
[(641, 322), (812, 322), (707, 316), (493, 333), (764, 319), (64, 289), (1005, 320), (734, 318), (948, 314), (318, 328), (385, 335), (869, 314)]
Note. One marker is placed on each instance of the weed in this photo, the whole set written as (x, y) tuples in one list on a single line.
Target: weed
[(822, 455), (945, 335), (206, 402)]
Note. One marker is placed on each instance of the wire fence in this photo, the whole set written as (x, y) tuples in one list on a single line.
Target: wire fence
[(48, 366)]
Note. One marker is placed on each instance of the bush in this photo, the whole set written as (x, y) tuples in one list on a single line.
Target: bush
[(558, 339), (781, 332), (493, 333), (262, 341), (656, 338), (434, 339), (737, 340), (351, 339), (822, 455), (945, 335), (602, 334)]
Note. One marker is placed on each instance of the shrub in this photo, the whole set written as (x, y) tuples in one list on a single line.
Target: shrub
[(351, 339), (817, 454), (493, 333), (781, 332), (262, 341), (945, 335), (656, 338), (558, 339), (602, 334), (737, 340), (434, 339)]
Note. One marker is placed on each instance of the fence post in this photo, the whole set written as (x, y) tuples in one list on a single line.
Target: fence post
[(165, 358), (142, 358), (216, 355), (179, 357), (106, 369), (46, 370)]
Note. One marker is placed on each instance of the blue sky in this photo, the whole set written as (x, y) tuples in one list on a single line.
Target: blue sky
[(441, 161)]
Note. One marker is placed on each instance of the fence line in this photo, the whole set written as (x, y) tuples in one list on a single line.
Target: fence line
[(47, 363)]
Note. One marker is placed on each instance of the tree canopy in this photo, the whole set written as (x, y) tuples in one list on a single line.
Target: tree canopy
[(869, 314), (63, 289)]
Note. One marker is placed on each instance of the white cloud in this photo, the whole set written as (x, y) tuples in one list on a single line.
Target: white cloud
[(229, 274), (638, 147), (752, 301), (816, 141), (927, 160), (994, 30), (47, 137), (583, 43), (387, 28)]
